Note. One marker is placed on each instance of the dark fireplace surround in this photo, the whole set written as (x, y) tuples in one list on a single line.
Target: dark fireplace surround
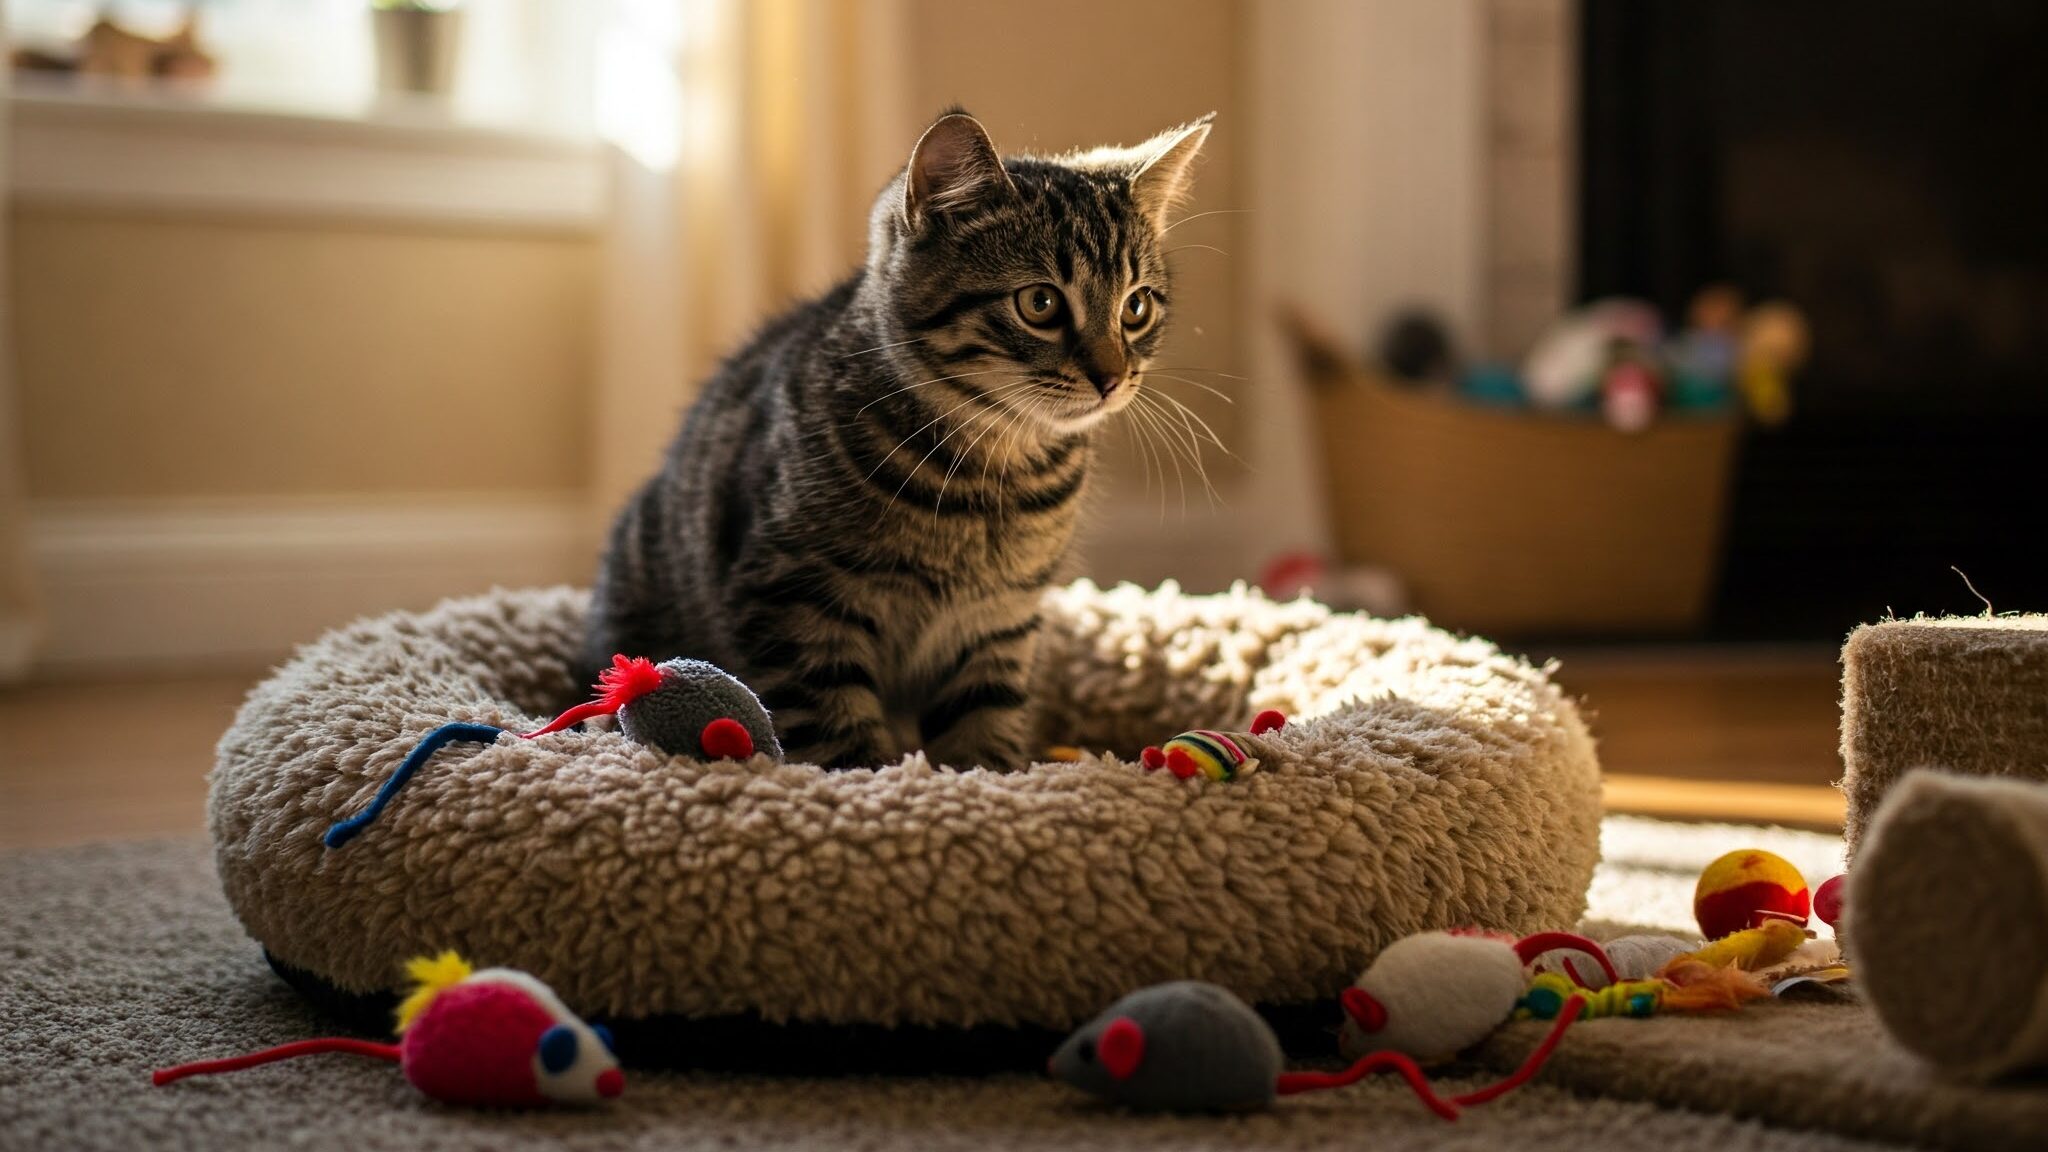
[(1884, 165)]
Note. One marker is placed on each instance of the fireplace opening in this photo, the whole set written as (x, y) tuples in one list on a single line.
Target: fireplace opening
[(1882, 164)]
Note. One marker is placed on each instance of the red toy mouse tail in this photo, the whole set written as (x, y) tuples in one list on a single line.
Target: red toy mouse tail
[(1293, 1082), (1533, 1064), (368, 1048), (628, 679)]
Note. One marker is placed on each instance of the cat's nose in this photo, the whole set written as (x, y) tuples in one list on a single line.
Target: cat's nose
[(1105, 366), (1106, 382)]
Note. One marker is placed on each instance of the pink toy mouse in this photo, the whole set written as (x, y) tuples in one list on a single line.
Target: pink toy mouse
[(491, 1039)]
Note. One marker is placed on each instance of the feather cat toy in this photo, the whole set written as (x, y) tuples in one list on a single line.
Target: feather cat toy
[(492, 1039)]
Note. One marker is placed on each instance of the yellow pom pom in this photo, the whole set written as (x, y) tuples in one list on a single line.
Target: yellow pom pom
[(430, 976)]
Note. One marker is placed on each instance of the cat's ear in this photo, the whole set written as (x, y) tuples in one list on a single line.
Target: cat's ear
[(953, 165), (1165, 168)]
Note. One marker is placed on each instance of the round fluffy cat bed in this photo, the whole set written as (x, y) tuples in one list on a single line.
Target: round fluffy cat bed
[(1422, 781)]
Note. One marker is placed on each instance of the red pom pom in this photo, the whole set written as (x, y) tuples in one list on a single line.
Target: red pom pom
[(628, 679), (1271, 720), (726, 739), (1828, 900), (1154, 759), (1181, 764), (1122, 1047)]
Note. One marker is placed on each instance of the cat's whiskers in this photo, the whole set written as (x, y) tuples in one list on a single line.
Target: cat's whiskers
[(926, 383), (1135, 430), (1032, 405), (1016, 425), (1143, 433), (884, 347), (994, 415), (1216, 392), (998, 392), (1176, 444), (1210, 371), (1178, 447), (920, 430), (1192, 382), (1189, 443), (1150, 441), (1188, 413), (1015, 414), (1200, 215)]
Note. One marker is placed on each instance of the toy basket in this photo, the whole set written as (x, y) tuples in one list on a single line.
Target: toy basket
[(1512, 522)]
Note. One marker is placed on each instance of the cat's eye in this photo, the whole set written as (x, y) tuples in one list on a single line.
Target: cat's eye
[(1138, 309), (1041, 305)]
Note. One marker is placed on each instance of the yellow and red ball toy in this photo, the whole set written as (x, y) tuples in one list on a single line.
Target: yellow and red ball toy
[(1747, 887)]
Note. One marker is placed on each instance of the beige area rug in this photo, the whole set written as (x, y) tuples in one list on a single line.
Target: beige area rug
[(114, 959), (1811, 1065)]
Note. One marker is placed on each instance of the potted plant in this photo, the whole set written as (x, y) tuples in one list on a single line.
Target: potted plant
[(417, 43)]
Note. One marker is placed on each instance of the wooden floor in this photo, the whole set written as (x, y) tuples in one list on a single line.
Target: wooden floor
[(1734, 733), (119, 759), (1708, 734)]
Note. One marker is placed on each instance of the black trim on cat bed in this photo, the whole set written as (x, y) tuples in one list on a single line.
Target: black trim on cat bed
[(747, 1044)]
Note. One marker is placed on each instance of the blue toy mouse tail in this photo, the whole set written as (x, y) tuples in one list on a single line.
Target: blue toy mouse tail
[(346, 830)]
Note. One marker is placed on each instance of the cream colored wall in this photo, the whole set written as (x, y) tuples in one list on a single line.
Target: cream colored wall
[(18, 597), (1061, 74), (191, 384), (184, 356)]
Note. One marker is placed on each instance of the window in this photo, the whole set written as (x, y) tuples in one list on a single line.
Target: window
[(521, 63)]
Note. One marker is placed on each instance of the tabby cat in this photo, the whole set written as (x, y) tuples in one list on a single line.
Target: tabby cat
[(866, 502)]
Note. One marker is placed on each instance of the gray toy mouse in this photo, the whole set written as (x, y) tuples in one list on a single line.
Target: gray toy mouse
[(1188, 1046), (683, 707), (1179, 1047)]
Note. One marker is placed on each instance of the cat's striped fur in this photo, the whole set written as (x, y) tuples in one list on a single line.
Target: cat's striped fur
[(866, 502)]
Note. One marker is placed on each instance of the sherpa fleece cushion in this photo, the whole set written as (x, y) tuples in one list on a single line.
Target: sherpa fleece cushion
[(1423, 781)]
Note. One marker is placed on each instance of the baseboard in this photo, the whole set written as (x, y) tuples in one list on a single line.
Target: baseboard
[(158, 584), (153, 585)]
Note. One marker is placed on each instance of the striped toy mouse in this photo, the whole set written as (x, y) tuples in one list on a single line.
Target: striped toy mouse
[(1206, 752)]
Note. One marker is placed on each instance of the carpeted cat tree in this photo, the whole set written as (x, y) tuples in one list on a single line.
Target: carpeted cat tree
[(1964, 695)]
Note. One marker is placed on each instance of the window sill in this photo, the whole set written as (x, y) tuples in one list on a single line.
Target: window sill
[(201, 151)]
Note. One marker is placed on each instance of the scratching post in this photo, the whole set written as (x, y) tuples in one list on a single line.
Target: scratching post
[(1948, 921), (1967, 695)]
